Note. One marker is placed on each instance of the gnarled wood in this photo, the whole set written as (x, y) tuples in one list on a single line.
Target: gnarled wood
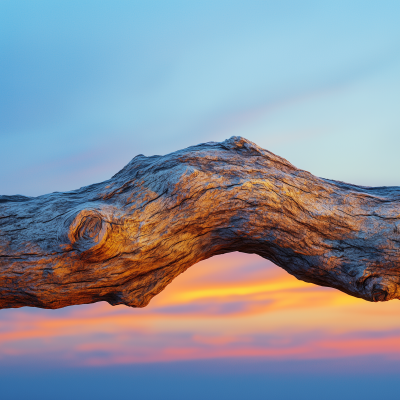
[(125, 239)]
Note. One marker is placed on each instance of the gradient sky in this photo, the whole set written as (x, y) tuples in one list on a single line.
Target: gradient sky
[(87, 85)]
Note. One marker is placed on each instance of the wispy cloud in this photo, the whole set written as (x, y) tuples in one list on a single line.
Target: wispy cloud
[(257, 311)]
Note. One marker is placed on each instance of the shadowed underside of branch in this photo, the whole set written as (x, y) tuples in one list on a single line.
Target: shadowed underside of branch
[(125, 239)]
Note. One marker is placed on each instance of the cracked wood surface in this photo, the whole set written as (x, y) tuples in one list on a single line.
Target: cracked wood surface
[(125, 239)]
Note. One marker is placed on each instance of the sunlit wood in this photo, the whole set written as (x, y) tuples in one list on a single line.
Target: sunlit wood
[(125, 239)]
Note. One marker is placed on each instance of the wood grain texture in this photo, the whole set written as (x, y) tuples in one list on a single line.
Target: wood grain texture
[(125, 239)]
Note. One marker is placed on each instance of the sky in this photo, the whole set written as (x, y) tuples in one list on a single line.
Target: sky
[(87, 85)]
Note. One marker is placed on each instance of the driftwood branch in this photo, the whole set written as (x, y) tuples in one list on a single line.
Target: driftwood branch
[(124, 240)]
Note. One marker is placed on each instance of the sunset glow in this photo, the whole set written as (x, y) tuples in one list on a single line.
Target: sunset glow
[(234, 305)]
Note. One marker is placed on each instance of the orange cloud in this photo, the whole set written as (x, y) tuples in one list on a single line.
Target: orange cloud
[(234, 305)]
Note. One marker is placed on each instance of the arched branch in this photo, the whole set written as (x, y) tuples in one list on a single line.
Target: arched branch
[(125, 239)]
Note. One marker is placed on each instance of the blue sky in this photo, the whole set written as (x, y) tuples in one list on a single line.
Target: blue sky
[(87, 85)]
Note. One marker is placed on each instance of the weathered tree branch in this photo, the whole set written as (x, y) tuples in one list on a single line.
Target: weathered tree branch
[(125, 239)]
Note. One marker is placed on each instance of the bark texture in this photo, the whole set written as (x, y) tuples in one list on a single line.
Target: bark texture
[(125, 239)]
